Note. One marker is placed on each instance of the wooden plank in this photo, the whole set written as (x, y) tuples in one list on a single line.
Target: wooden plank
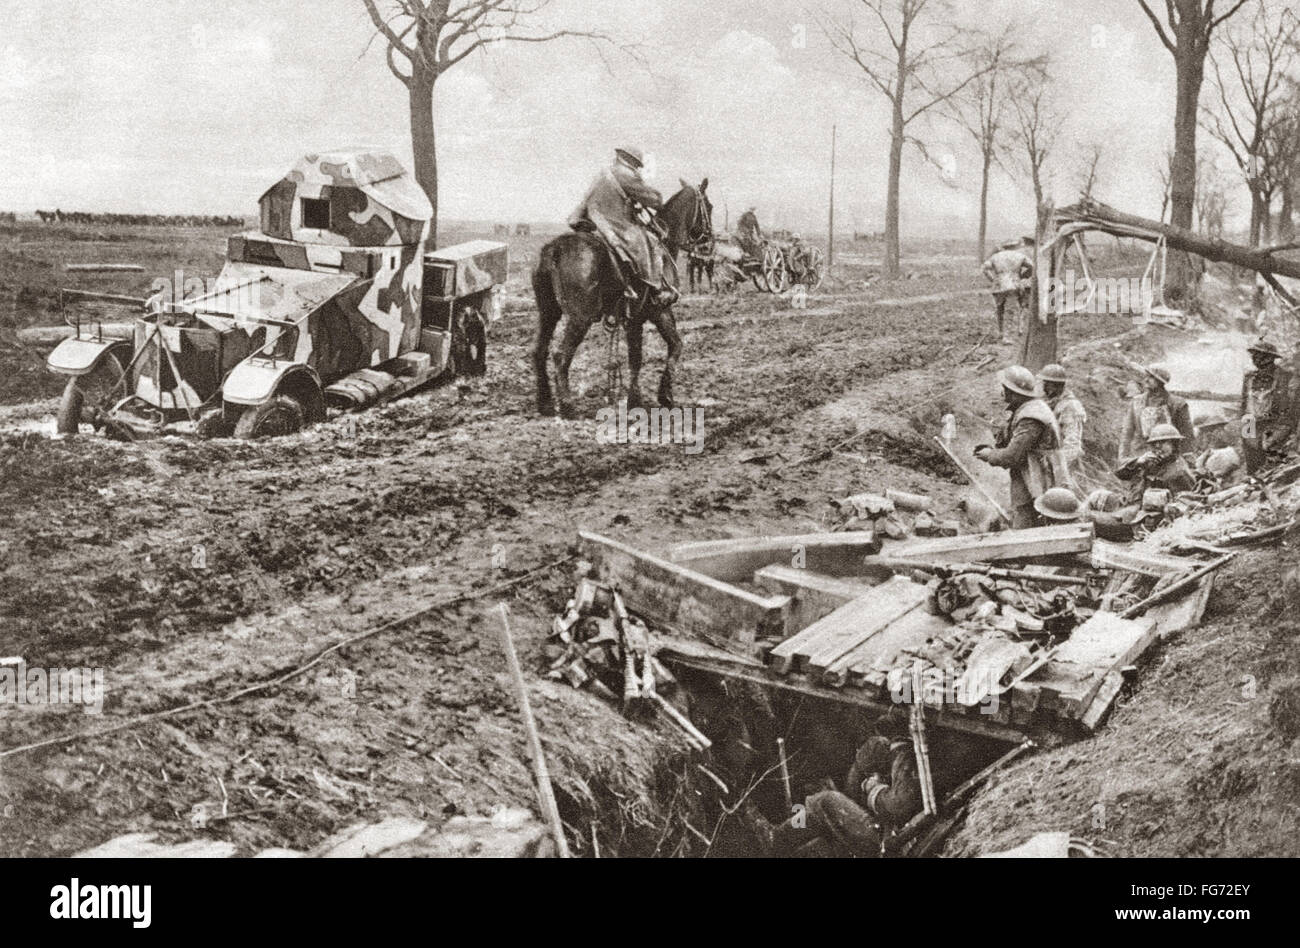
[(834, 663), (1069, 683), (705, 658), (735, 561), (1004, 545), (1104, 698), (1185, 613), (813, 594), (872, 661), (1107, 555), (679, 598), (846, 626)]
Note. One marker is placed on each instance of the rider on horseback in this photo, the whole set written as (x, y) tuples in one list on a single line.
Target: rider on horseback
[(620, 207)]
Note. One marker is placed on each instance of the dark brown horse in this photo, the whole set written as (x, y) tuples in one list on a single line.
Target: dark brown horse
[(577, 278)]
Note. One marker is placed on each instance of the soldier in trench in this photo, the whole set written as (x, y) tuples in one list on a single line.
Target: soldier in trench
[(1027, 445), (882, 792), (1268, 408)]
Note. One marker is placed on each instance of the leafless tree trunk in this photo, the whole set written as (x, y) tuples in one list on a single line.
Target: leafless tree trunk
[(916, 64), (1256, 56), (1091, 171), (983, 110), (1166, 173), (425, 38), (1211, 199), (1038, 123), (1186, 34), (1285, 148)]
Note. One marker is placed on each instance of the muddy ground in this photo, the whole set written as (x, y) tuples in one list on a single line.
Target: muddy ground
[(191, 571)]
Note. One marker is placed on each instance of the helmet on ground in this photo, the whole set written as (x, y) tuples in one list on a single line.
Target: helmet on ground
[(1211, 418), (1103, 501), (1059, 503), (1052, 372), (633, 156), (1020, 380), (1158, 372), (1264, 347), (1164, 432)]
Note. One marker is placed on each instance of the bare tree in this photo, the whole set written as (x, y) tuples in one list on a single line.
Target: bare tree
[(1285, 148), (984, 110), (1037, 124), (1211, 198), (1250, 66), (1091, 170), (914, 57), (425, 38), (1186, 34)]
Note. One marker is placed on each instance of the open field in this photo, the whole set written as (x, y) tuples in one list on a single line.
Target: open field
[(191, 570)]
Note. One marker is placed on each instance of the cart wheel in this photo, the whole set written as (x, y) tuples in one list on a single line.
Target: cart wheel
[(774, 272), (816, 270), (281, 415), (85, 395)]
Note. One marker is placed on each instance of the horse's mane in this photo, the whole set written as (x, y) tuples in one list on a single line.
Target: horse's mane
[(679, 218)]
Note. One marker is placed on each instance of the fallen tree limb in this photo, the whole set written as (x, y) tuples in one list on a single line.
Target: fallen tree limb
[(1105, 218)]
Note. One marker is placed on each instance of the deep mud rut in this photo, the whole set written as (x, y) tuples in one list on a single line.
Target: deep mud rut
[(190, 570)]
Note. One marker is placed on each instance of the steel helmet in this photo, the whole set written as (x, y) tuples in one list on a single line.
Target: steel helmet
[(1053, 372), (1158, 372), (1103, 501), (1264, 347), (1059, 503), (1164, 432), (1020, 380), (633, 156)]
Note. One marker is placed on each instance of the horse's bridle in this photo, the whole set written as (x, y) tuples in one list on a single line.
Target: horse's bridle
[(700, 243)]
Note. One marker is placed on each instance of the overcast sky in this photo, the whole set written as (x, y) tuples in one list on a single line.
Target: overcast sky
[(198, 106)]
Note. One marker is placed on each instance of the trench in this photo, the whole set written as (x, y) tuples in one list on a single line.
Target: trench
[(728, 801)]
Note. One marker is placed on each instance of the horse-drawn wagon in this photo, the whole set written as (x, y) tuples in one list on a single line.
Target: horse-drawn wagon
[(772, 266), (333, 302)]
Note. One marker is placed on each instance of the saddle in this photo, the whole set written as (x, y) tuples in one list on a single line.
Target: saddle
[(635, 289)]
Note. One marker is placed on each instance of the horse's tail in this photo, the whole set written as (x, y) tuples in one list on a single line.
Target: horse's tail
[(544, 290)]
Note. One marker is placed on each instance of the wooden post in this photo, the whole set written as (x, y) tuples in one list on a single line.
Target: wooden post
[(830, 230), (545, 794)]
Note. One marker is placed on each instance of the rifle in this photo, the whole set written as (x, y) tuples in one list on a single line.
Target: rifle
[(946, 570), (971, 477)]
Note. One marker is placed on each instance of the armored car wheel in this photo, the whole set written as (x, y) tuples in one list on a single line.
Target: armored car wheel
[(281, 415), (85, 395)]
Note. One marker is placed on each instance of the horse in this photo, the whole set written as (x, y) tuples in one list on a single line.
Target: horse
[(577, 278)]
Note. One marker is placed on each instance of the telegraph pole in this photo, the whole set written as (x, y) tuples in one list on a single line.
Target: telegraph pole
[(830, 230)]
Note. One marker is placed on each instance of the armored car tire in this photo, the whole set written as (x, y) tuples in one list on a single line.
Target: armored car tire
[(85, 395), (281, 415)]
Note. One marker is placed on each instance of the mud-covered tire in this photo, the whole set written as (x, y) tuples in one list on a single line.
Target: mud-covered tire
[(282, 415), (86, 394), (213, 424)]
